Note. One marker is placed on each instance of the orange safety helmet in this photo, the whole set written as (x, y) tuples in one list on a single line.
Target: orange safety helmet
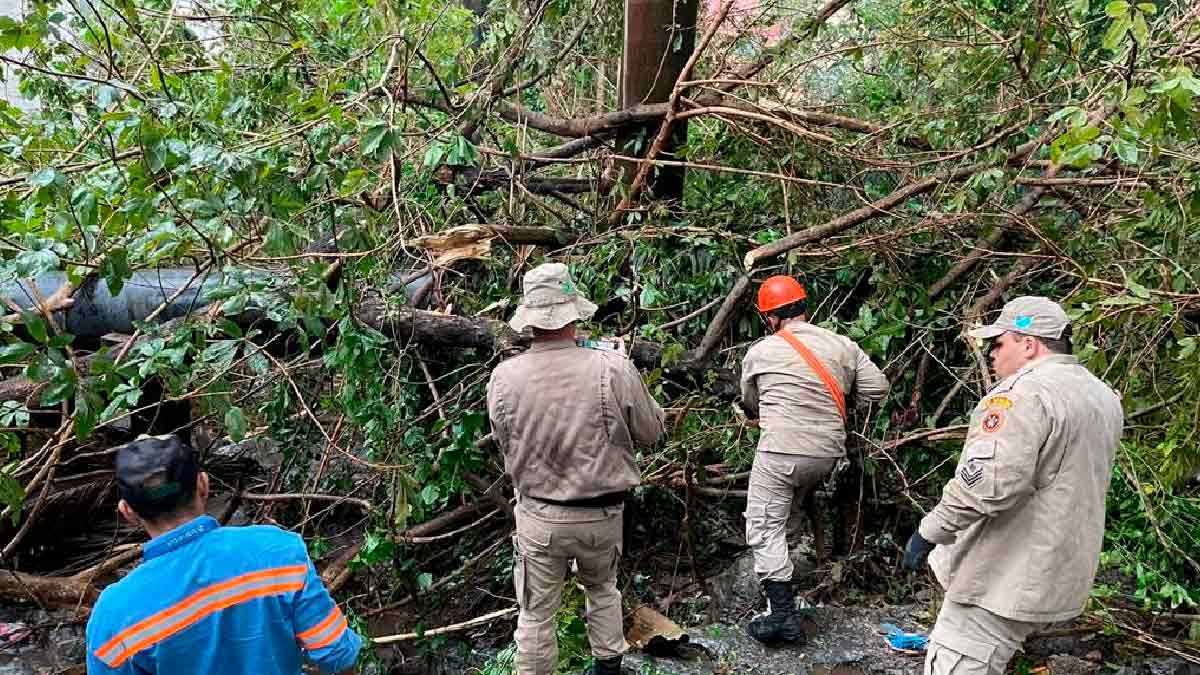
[(778, 291)]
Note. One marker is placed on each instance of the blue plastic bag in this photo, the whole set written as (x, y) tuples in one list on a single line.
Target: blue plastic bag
[(905, 642)]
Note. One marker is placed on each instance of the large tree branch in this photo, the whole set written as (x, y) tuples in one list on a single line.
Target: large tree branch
[(884, 205), (472, 180), (491, 336), (51, 592), (606, 123)]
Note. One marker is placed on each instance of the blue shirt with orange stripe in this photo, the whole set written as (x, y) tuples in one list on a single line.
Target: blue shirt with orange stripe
[(212, 599)]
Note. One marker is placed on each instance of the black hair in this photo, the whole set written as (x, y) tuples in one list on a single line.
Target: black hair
[(1061, 344), (790, 311), (167, 506)]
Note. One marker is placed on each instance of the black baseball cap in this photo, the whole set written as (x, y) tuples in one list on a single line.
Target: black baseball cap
[(156, 474)]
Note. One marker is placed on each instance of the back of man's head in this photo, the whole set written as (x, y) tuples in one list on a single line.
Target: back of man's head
[(791, 311), (157, 477)]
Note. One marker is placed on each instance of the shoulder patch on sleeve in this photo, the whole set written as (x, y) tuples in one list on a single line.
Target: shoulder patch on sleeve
[(993, 420)]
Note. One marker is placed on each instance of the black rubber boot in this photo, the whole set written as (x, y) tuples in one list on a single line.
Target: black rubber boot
[(780, 624), (609, 666)]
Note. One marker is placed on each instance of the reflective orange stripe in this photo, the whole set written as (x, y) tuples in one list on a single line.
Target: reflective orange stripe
[(264, 591), (317, 629), (337, 633), (195, 599), (835, 390)]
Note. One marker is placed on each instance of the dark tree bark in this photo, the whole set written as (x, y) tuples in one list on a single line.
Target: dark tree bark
[(659, 38)]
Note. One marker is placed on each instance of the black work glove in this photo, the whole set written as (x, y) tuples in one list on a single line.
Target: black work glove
[(917, 551)]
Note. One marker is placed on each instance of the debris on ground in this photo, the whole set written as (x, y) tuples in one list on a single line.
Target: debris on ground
[(907, 643)]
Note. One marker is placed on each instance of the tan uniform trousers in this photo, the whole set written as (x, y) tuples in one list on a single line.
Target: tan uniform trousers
[(548, 537), (778, 482), (970, 640)]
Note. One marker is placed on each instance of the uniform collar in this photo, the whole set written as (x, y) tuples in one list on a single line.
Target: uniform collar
[(173, 540), (1061, 359), (550, 345), (794, 322)]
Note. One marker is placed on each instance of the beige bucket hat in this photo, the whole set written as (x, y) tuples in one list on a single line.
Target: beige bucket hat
[(1029, 315), (551, 299)]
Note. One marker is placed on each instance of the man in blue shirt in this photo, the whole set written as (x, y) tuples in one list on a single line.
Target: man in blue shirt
[(209, 599)]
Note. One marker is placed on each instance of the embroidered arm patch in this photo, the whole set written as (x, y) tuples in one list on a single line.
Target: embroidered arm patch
[(993, 421)]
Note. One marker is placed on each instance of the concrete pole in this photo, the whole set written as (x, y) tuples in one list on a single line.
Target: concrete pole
[(659, 38)]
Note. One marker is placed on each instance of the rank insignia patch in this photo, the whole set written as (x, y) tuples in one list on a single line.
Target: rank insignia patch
[(992, 421), (970, 474)]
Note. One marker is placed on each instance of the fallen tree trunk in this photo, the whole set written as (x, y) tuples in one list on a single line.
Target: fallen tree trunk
[(49, 592), (443, 331), (439, 330)]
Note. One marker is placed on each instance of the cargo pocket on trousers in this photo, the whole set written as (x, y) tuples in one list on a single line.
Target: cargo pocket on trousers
[(941, 660), (963, 656), (519, 572)]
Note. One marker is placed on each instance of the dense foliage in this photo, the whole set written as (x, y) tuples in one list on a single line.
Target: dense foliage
[(1058, 140)]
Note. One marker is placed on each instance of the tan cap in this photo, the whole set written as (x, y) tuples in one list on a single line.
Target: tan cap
[(1028, 315), (551, 300)]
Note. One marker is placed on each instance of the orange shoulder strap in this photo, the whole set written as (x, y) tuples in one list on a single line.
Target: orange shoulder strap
[(835, 390)]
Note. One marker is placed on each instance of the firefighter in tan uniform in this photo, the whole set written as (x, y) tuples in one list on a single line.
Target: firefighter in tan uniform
[(1018, 531), (567, 419), (795, 382)]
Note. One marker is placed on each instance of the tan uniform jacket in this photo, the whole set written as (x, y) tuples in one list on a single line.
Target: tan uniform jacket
[(567, 419), (1022, 523), (796, 413)]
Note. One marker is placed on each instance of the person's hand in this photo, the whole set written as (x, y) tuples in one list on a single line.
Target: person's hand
[(740, 413), (917, 552)]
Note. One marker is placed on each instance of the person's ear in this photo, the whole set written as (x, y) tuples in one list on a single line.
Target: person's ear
[(1031, 346), (129, 515)]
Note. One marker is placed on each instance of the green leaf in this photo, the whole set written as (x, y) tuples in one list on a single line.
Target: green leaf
[(62, 387), (434, 155), (1187, 347), (376, 137), (36, 326), (106, 96), (13, 414), (12, 493), (1121, 301), (424, 580), (235, 424), (1063, 113), (15, 352), (1141, 32), (1126, 151), (1137, 289), (44, 178), (115, 270), (430, 494), (156, 156), (1147, 8), (87, 410), (1116, 9), (1082, 156), (1115, 34), (34, 263)]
